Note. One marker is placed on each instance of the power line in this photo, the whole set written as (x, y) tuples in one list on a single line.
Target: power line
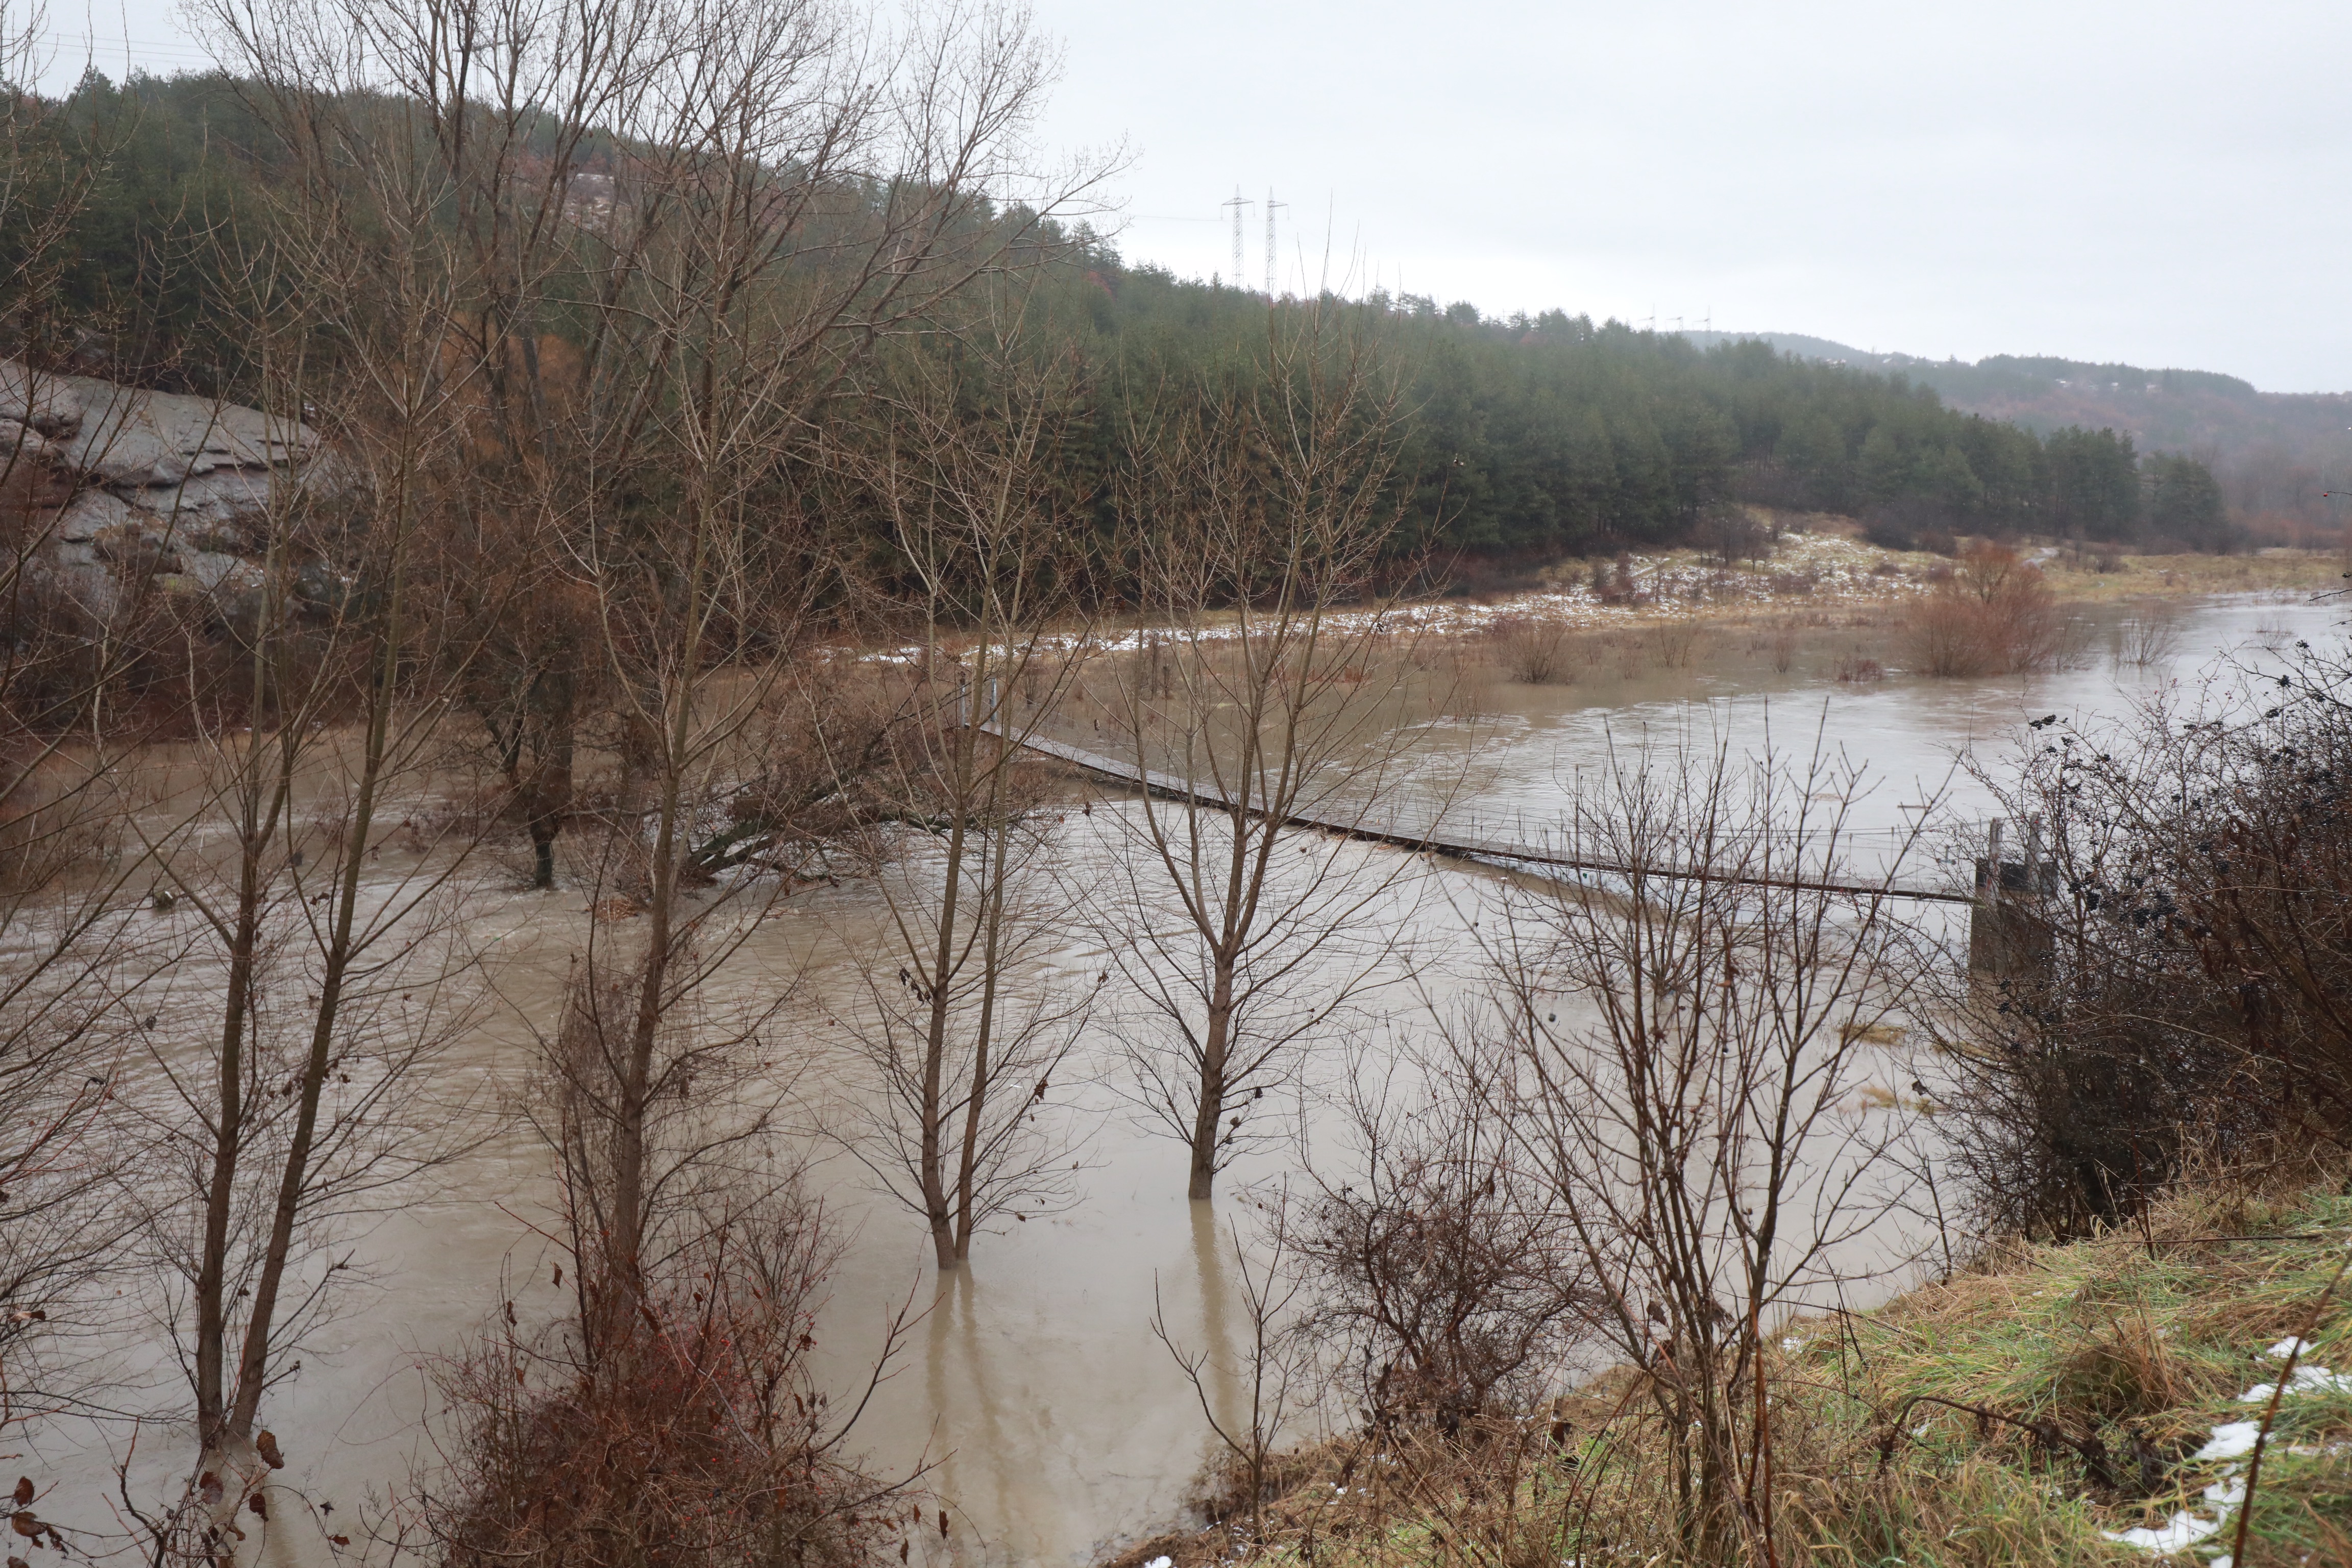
[(95, 44)]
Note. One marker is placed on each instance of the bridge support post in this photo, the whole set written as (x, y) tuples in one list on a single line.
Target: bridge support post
[(2008, 932)]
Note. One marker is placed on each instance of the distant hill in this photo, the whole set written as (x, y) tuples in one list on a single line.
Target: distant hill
[(2274, 452)]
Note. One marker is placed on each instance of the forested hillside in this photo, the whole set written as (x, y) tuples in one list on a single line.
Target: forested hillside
[(1553, 434), (2277, 454), (1526, 439)]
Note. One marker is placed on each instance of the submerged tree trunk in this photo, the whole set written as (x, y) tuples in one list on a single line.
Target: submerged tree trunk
[(1214, 1045), (228, 1137)]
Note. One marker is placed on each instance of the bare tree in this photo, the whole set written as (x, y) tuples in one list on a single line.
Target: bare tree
[(1276, 1364), (319, 1036), (968, 1034), (1686, 1054), (719, 338), (506, 99), (339, 975), (1265, 689), (77, 639)]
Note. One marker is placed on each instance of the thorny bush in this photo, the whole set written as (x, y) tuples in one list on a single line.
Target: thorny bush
[(2192, 995)]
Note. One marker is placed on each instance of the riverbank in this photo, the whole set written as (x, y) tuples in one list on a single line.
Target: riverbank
[(2098, 1402), (1825, 565), (1824, 602)]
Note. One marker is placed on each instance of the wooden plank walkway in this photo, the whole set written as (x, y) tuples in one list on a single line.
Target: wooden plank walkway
[(1173, 786)]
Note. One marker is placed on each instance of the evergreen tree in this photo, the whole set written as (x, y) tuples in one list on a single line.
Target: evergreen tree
[(2184, 503)]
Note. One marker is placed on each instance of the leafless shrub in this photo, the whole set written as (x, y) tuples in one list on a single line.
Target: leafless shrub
[(694, 1430), (2151, 638), (1443, 1284), (1783, 649), (673, 1408), (1857, 668), (1679, 1050), (1276, 1363), (2190, 897), (1674, 641), (1993, 616), (1535, 650)]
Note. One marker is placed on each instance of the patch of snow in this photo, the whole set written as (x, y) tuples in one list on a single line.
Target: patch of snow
[(2184, 1529), (2232, 1440), (2289, 1346), (2227, 1492), (2304, 1379)]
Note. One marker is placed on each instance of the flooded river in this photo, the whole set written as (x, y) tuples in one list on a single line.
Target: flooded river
[(1052, 1422)]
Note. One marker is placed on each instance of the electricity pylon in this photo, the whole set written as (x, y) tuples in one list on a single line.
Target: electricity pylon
[(1237, 203), (1270, 205)]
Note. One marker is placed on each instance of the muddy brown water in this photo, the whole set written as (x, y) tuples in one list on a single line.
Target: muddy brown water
[(1049, 1419)]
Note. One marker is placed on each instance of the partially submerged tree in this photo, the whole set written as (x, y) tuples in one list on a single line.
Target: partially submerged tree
[(794, 196), (968, 1034), (1261, 688), (336, 966)]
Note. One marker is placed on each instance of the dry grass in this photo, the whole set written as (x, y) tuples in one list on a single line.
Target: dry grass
[(2187, 576), (2138, 1342)]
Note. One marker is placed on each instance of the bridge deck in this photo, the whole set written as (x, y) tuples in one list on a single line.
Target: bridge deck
[(1464, 846)]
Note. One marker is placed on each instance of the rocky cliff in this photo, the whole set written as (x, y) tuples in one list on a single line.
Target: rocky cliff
[(110, 488)]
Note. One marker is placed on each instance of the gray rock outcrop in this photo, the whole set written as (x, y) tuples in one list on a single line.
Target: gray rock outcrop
[(115, 485)]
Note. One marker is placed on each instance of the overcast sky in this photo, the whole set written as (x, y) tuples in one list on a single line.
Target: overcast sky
[(2164, 183)]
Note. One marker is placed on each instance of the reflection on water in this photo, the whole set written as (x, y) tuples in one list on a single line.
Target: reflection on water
[(1032, 1386)]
